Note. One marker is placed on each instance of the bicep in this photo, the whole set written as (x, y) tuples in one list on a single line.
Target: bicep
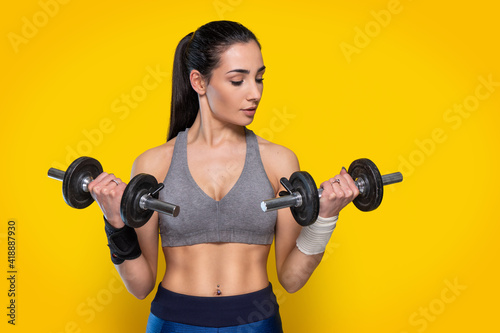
[(148, 240), (148, 234), (287, 229)]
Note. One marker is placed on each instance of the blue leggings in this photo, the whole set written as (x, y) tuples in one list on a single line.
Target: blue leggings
[(253, 312), (157, 325)]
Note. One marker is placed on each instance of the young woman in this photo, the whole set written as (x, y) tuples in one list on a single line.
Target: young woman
[(218, 172)]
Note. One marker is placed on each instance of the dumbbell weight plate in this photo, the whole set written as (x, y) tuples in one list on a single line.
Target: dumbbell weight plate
[(306, 213), (131, 212), (73, 192), (371, 198)]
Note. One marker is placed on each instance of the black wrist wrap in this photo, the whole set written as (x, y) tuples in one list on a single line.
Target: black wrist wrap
[(123, 243)]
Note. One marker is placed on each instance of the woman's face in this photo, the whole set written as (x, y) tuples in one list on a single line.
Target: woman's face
[(236, 86)]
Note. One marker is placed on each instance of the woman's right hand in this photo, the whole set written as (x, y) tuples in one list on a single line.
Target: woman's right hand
[(107, 191)]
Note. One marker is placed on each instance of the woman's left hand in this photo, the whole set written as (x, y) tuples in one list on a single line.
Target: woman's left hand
[(338, 192)]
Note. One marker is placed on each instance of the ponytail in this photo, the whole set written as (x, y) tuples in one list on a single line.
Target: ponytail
[(184, 104)]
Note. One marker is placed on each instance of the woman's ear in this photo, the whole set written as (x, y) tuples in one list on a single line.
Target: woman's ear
[(198, 82)]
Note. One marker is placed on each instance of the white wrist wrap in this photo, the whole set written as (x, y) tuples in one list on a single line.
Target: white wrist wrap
[(314, 238)]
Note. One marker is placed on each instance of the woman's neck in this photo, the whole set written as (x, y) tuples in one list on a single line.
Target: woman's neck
[(212, 132)]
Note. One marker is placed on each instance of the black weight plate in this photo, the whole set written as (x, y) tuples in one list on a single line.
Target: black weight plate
[(73, 192), (307, 213), (374, 189), (131, 212)]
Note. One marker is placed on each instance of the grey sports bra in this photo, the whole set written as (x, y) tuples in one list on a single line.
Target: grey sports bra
[(236, 218)]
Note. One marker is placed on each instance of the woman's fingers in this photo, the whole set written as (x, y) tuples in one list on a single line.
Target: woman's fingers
[(107, 190), (338, 192)]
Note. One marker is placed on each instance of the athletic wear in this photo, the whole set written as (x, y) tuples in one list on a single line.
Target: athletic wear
[(236, 218), (253, 312)]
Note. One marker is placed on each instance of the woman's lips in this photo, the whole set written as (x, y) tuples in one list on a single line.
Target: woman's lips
[(249, 111)]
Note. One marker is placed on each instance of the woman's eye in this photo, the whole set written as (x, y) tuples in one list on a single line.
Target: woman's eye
[(239, 83)]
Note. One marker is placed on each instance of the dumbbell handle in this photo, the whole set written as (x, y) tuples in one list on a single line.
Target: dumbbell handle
[(295, 199), (56, 174), (146, 202), (388, 179), (392, 178), (59, 175)]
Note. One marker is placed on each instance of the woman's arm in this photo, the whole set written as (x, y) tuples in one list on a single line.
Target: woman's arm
[(138, 275), (294, 267)]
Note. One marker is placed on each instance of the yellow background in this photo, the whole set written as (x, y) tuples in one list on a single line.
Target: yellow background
[(388, 99)]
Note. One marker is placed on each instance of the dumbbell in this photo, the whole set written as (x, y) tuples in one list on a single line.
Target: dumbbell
[(302, 195), (139, 200)]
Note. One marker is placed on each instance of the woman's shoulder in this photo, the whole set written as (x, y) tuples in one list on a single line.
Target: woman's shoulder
[(276, 151), (155, 161), (278, 160)]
